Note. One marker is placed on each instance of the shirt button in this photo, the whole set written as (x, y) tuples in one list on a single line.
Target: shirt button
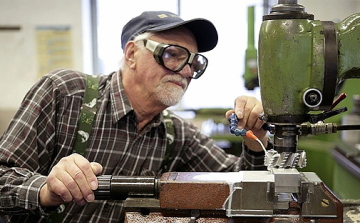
[(106, 206)]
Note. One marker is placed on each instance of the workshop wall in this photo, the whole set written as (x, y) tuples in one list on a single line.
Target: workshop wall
[(43, 34)]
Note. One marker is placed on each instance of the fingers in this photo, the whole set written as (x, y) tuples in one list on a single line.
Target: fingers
[(74, 178), (81, 180), (228, 113), (53, 193), (68, 189), (247, 110), (96, 168)]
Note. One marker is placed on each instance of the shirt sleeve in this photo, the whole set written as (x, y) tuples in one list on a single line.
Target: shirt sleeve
[(24, 150), (250, 160), (197, 152)]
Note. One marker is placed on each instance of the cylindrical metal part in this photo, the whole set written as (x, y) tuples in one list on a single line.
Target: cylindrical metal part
[(286, 138), (293, 2), (318, 128), (127, 185), (121, 187), (103, 191), (286, 6)]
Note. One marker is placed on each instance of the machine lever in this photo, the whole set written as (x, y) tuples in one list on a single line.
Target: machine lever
[(341, 97), (327, 114)]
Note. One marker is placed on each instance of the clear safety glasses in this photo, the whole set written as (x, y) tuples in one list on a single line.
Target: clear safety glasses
[(175, 58)]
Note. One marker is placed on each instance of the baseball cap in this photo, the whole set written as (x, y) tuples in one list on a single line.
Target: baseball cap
[(156, 21)]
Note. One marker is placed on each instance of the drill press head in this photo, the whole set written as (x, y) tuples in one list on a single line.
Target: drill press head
[(301, 62)]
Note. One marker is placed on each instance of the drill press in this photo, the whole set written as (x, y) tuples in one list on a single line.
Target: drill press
[(301, 62)]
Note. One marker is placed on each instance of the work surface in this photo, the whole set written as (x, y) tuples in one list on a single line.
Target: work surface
[(351, 210)]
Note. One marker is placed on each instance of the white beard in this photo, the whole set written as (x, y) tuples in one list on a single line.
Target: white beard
[(168, 94)]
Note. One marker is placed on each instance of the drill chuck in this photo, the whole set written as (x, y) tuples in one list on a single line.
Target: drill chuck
[(121, 187)]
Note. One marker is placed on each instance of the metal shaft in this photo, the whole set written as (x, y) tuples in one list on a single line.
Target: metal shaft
[(121, 187), (286, 138)]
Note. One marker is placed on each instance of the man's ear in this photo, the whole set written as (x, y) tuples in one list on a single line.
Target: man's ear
[(130, 54)]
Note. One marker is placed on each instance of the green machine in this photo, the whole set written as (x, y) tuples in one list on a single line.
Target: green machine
[(302, 64)]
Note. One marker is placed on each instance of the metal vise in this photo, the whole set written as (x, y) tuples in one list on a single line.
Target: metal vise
[(277, 195)]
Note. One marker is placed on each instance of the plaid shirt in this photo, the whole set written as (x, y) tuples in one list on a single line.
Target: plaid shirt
[(43, 131)]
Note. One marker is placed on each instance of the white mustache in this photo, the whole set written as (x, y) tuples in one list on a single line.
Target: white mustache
[(178, 79)]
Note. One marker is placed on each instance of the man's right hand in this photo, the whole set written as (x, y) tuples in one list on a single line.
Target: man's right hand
[(72, 179), (247, 110)]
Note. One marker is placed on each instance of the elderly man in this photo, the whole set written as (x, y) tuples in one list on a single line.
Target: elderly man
[(40, 166)]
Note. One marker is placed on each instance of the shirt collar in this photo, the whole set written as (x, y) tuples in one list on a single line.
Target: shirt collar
[(120, 104)]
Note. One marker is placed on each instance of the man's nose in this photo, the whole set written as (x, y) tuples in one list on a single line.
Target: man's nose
[(186, 71)]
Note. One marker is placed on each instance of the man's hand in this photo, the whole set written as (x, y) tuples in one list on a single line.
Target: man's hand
[(247, 110), (73, 178)]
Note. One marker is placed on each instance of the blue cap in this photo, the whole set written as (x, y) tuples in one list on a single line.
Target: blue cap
[(156, 21)]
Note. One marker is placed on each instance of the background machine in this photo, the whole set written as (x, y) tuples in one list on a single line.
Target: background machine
[(301, 63)]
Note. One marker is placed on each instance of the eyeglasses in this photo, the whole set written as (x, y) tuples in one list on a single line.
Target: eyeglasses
[(175, 58)]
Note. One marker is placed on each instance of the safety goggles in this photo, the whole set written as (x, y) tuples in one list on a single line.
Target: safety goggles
[(175, 58)]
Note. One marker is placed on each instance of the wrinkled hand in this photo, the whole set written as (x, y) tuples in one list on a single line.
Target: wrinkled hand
[(73, 178), (248, 109)]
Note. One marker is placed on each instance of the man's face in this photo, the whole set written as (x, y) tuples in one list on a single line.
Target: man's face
[(160, 84)]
